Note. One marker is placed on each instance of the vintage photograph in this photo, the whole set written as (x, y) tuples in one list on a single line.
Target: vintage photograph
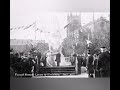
[(60, 45)]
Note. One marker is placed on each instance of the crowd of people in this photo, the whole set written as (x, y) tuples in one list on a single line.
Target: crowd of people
[(31, 62), (98, 65), (24, 63)]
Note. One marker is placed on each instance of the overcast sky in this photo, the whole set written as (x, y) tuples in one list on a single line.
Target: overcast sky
[(25, 12)]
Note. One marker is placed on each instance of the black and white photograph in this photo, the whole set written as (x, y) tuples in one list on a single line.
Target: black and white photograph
[(59, 39), (60, 45)]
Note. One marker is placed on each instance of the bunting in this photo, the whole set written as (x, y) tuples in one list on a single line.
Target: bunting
[(23, 27), (29, 26)]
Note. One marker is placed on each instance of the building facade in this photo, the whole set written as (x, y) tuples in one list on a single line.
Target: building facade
[(97, 31)]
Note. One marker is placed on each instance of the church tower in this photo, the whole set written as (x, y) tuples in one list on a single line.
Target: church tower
[(74, 23)]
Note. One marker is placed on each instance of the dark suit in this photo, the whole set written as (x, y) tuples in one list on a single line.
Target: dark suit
[(35, 66), (90, 65), (44, 60), (104, 64), (97, 73), (58, 55), (84, 62), (29, 64), (79, 58), (39, 58), (74, 58)]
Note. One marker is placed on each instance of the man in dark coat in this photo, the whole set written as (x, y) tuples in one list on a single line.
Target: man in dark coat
[(104, 63), (97, 73), (12, 61), (16, 63), (90, 65), (39, 57), (84, 62), (74, 58), (35, 65), (24, 63), (58, 59), (29, 64), (79, 58)]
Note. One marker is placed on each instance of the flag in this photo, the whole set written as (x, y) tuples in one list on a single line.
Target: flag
[(41, 31), (19, 27), (22, 27), (37, 29), (26, 27), (33, 24), (67, 25), (29, 26)]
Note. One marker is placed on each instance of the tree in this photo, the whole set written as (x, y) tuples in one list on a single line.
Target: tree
[(68, 44), (42, 47)]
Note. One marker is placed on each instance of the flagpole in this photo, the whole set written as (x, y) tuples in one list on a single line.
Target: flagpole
[(88, 40), (80, 19), (93, 22), (35, 34)]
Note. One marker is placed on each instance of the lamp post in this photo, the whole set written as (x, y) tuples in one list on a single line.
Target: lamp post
[(35, 35), (75, 55), (88, 47)]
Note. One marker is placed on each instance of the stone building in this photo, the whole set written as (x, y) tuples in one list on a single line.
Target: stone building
[(97, 31)]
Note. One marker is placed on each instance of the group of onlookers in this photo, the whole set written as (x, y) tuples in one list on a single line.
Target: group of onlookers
[(31, 62), (98, 65), (25, 63)]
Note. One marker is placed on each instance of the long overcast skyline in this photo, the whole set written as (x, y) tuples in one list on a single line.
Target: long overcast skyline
[(49, 21), (25, 12)]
